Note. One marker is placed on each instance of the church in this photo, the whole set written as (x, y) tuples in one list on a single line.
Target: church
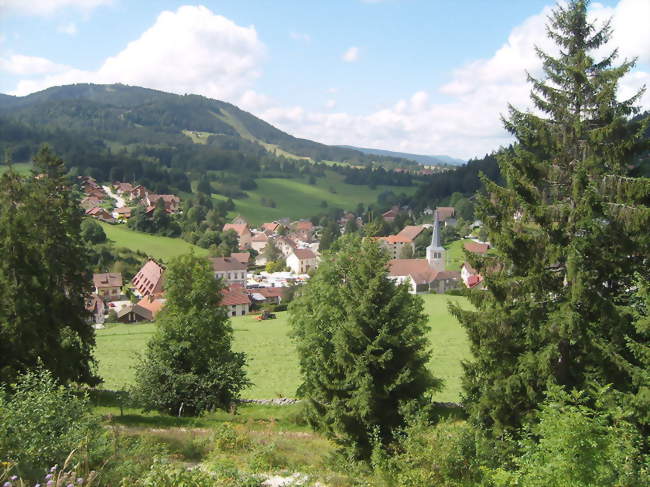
[(426, 275)]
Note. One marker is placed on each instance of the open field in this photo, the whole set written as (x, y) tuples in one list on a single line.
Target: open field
[(153, 245), (296, 198), (20, 167), (272, 360), (455, 254)]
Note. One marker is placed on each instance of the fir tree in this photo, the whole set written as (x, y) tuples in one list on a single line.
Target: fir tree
[(43, 279), (570, 229), (189, 366), (362, 346)]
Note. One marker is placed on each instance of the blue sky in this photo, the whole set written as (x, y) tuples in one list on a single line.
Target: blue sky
[(425, 76)]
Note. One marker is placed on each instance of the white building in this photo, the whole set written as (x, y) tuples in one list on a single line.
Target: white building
[(301, 261)]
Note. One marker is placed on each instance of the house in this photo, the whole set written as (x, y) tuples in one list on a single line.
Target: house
[(270, 228), (153, 303), (108, 286), (96, 192), (149, 279), (139, 192), (272, 295), (471, 278), (301, 261), (97, 309), (230, 270), (244, 236), (236, 301), (259, 241), (446, 215), (390, 215), (123, 188), (285, 245), (171, 201), (90, 202), (411, 232), (395, 244), (100, 214), (303, 229), (476, 247), (123, 213), (132, 313), (241, 257)]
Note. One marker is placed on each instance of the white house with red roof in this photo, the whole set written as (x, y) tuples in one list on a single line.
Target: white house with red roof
[(236, 301), (230, 270), (395, 244), (301, 261)]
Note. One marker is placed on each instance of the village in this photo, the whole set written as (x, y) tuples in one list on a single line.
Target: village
[(249, 286)]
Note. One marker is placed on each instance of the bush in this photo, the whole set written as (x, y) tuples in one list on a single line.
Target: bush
[(41, 422), (226, 438)]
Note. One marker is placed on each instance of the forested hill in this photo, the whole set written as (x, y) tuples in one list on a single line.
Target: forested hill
[(125, 115), (437, 160)]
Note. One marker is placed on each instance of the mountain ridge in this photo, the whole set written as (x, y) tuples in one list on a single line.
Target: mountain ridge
[(423, 159)]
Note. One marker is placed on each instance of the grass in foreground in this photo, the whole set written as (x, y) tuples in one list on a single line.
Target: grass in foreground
[(272, 359), (155, 246)]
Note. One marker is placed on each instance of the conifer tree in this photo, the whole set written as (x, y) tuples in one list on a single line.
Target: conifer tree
[(362, 346), (570, 229), (43, 279), (189, 366)]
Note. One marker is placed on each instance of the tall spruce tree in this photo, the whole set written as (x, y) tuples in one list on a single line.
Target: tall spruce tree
[(571, 230), (43, 279), (362, 346)]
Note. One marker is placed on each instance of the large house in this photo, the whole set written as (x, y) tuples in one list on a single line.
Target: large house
[(149, 279), (172, 202), (236, 301), (244, 236), (411, 232), (154, 304), (301, 261), (100, 214), (395, 244), (259, 241), (108, 286), (425, 275), (231, 270)]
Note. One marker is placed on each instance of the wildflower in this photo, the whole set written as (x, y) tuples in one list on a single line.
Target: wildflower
[(48, 476), (50, 483), (80, 480), (53, 469), (6, 484), (14, 478)]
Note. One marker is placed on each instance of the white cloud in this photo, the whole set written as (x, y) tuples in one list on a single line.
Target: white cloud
[(330, 103), (29, 65), (191, 50), (300, 36), (47, 7), (351, 55), (69, 28)]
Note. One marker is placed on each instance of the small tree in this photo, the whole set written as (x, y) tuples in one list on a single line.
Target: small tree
[(362, 346), (189, 366)]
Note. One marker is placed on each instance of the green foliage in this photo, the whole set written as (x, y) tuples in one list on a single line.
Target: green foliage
[(92, 232), (362, 346), (576, 445), (569, 227), (43, 280), (41, 422), (329, 235), (189, 366)]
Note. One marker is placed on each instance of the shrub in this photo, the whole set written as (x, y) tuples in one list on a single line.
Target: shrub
[(227, 438), (41, 422)]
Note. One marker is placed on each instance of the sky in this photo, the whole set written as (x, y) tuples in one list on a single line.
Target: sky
[(420, 76)]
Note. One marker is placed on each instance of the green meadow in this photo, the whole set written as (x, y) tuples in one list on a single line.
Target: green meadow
[(296, 198), (20, 167), (272, 359), (455, 254), (155, 246)]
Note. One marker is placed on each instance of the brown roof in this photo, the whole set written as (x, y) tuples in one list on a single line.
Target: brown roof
[(137, 309), (97, 211), (125, 210), (109, 279), (242, 257), (234, 296), (149, 279), (123, 187), (477, 248), (260, 237), (417, 269), (271, 292), (304, 254), (390, 213), (303, 225), (153, 304), (447, 275), (239, 228), (445, 212), (220, 264), (411, 231), (392, 239)]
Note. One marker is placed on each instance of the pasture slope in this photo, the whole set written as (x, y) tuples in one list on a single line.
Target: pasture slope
[(272, 359)]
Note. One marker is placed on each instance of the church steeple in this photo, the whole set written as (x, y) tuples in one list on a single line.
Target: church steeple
[(435, 251)]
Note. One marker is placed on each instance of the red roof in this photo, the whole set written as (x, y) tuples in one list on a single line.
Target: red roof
[(153, 304), (239, 228), (418, 269), (411, 232), (393, 239), (473, 280), (271, 227), (149, 279), (260, 237), (234, 296), (241, 257), (445, 212), (303, 225), (477, 248)]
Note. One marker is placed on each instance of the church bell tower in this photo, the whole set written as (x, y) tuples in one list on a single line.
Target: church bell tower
[(435, 251)]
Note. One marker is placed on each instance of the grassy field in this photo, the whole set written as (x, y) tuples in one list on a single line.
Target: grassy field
[(455, 254), (153, 245), (272, 360), (296, 198), (20, 167)]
